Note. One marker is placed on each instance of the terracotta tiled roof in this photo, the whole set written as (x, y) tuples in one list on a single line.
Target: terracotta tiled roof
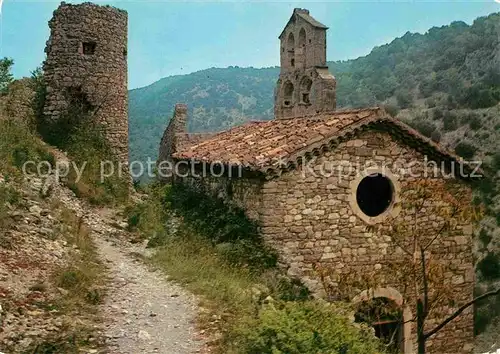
[(269, 145)]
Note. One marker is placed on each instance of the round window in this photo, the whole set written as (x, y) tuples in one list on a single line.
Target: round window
[(374, 194)]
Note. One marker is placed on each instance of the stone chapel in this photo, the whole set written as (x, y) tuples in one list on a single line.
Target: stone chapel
[(275, 171)]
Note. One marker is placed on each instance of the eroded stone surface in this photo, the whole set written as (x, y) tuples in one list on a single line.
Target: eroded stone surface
[(86, 65)]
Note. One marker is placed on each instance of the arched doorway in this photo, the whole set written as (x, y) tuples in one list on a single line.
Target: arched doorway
[(386, 318), (383, 309)]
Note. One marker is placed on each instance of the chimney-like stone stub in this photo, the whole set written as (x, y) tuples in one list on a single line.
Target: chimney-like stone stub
[(172, 137), (179, 119), (175, 139), (86, 53)]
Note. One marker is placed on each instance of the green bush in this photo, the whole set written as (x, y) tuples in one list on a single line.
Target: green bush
[(437, 114), (489, 266), (486, 310), (426, 128), (284, 288), (474, 121), (465, 150), (450, 121), (430, 102), (19, 145), (223, 224), (404, 98), (436, 136), (5, 73), (496, 161), (484, 237), (391, 109), (479, 96), (308, 327)]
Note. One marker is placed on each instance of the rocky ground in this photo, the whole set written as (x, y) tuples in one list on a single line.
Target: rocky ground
[(141, 313), (145, 313)]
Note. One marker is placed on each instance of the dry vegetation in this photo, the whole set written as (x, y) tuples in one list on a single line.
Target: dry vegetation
[(80, 283)]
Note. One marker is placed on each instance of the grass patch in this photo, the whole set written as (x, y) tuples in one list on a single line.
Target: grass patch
[(225, 225), (306, 327), (19, 145), (70, 343), (83, 276), (194, 263), (87, 147)]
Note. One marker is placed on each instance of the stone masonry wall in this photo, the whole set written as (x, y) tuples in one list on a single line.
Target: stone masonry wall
[(174, 139), (310, 220), (244, 193), (87, 57), (177, 125)]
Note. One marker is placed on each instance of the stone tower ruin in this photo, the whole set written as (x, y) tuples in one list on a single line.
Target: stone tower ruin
[(305, 86), (87, 64)]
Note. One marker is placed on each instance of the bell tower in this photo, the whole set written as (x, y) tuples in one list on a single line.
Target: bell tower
[(305, 86)]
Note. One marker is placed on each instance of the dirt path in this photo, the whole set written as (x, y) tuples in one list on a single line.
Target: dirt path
[(142, 311), (145, 313)]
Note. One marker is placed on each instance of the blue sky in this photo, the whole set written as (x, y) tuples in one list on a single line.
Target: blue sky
[(175, 37)]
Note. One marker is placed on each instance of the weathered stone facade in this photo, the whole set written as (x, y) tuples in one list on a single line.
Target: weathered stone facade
[(310, 220), (304, 86), (87, 61)]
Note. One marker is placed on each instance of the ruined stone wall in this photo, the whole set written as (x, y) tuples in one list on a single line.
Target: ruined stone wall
[(87, 61), (310, 220), (174, 139), (18, 103)]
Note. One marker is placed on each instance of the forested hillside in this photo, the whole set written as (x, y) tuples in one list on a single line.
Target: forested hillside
[(446, 81)]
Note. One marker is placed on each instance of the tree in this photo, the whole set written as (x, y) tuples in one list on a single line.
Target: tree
[(38, 86), (5, 75), (419, 273)]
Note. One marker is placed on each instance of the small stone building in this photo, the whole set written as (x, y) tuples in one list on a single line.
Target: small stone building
[(317, 180), (86, 65)]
